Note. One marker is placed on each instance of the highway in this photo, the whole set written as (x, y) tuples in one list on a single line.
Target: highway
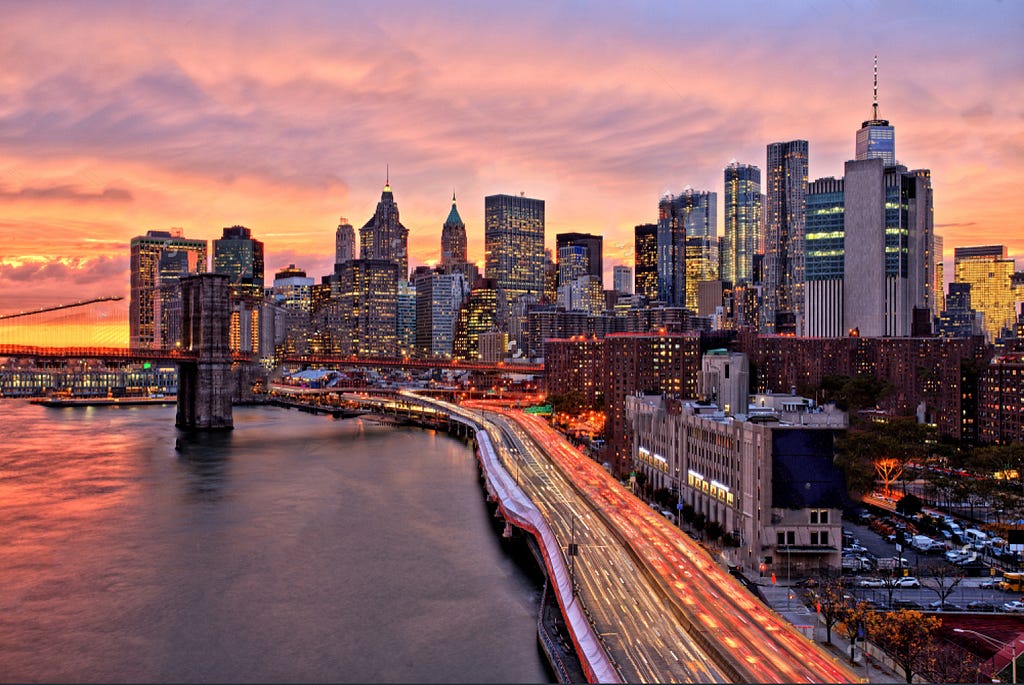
[(699, 602), (644, 641)]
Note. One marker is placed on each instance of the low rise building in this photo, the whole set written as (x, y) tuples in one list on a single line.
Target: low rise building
[(764, 475)]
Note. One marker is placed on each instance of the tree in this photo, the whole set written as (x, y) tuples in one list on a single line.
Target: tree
[(713, 530), (688, 513), (908, 505), (905, 636), (941, 580), (828, 600), (853, 623), (889, 470), (699, 521), (948, 663)]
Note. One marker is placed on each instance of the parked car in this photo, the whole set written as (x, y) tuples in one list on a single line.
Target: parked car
[(981, 606), (908, 581), (905, 604), (1014, 606), (938, 605), (872, 582), (989, 584)]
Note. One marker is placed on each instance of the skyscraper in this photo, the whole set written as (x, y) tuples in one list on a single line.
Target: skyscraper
[(824, 258), (240, 257), (593, 246), (876, 138), (785, 207), (888, 245), (671, 252), (453, 239), (439, 297), (157, 260), (700, 212), (622, 280), (742, 221), (344, 242), (989, 271), (366, 303), (476, 316), (384, 236), (645, 259), (514, 247)]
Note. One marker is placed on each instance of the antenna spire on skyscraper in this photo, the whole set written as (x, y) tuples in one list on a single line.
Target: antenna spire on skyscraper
[(874, 105)]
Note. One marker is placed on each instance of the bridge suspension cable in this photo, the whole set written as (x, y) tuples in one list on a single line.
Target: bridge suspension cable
[(58, 307)]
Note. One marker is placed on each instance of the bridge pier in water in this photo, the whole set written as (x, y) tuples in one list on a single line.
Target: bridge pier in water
[(205, 383)]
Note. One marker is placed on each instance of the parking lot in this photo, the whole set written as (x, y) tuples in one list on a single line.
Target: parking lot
[(975, 593)]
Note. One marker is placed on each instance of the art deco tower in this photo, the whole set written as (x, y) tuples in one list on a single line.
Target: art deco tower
[(453, 239), (384, 237)]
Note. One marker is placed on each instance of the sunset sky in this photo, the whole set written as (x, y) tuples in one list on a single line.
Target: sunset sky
[(116, 119)]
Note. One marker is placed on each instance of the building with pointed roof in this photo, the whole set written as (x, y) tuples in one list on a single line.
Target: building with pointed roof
[(384, 237), (453, 238)]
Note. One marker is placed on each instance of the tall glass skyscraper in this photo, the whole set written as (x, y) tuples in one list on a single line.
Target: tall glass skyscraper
[(786, 205), (876, 138), (687, 245), (742, 222), (990, 272), (824, 258), (238, 255), (514, 247), (592, 244), (645, 260)]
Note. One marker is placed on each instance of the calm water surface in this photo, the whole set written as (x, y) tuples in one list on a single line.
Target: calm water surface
[(294, 548)]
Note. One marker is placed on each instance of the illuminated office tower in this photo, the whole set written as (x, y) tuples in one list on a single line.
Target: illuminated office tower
[(593, 246), (240, 257), (344, 242), (785, 208), (476, 316), (622, 280), (406, 308), (439, 296), (645, 259), (687, 245), (824, 258), (157, 260), (742, 222), (514, 247), (367, 306), (573, 262), (453, 239), (989, 271), (384, 237), (876, 138), (938, 276), (888, 247), (702, 259)]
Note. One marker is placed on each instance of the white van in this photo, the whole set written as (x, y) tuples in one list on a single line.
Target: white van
[(974, 536)]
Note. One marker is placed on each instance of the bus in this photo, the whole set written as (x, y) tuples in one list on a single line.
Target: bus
[(1012, 582)]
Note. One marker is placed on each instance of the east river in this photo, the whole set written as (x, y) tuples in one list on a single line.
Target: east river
[(294, 548)]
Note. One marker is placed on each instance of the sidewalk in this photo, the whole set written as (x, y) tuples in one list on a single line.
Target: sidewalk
[(807, 622)]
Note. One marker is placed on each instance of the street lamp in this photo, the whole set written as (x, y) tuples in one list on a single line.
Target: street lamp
[(998, 645)]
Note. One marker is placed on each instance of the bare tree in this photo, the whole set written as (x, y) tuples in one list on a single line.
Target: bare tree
[(942, 580), (889, 470)]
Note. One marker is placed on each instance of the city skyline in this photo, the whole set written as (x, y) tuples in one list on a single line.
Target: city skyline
[(282, 119)]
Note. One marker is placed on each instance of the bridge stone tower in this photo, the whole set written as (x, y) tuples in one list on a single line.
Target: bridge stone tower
[(204, 382)]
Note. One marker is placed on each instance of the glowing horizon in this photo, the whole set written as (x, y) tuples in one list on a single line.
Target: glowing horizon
[(284, 117)]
